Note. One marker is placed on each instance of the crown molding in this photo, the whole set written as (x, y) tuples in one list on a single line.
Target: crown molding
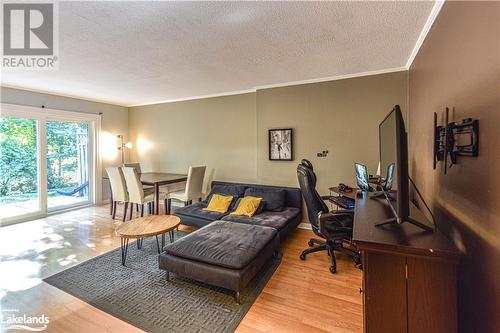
[(228, 93), (332, 78), (278, 85), (53, 93), (425, 30)]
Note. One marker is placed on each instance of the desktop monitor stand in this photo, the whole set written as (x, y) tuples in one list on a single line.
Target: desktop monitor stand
[(395, 220)]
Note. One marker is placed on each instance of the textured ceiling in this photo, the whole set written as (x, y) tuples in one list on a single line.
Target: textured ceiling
[(131, 53)]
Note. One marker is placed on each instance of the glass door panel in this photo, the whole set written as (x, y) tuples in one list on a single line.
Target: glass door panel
[(19, 178), (67, 164)]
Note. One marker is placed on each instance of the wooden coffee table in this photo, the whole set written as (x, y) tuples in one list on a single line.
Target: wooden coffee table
[(148, 226)]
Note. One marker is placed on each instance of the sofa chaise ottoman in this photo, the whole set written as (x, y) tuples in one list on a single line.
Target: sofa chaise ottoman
[(223, 254)]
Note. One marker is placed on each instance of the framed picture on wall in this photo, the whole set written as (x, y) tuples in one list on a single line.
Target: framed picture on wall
[(281, 144)]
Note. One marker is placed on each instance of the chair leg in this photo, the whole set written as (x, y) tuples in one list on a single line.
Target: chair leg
[(131, 210), (125, 211), (114, 210), (190, 202), (333, 267), (314, 241), (142, 210), (165, 203), (169, 206), (137, 207), (321, 247)]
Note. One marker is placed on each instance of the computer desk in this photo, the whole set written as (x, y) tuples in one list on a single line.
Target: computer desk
[(335, 189), (409, 275)]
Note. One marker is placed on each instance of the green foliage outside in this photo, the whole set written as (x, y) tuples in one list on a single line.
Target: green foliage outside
[(18, 146), (18, 156)]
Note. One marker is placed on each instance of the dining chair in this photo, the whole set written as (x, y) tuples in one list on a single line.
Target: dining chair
[(207, 182), (192, 191), (136, 193), (118, 189), (135, 165)]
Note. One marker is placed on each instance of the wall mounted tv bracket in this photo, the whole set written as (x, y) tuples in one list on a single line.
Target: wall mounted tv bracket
[(455, 139)]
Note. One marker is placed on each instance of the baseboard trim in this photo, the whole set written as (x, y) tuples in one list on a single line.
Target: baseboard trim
[(305, 225)]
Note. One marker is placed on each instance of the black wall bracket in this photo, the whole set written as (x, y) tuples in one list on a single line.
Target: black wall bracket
[(455, 139)]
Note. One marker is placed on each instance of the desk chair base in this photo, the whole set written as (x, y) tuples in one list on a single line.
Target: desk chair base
[(316, 245)]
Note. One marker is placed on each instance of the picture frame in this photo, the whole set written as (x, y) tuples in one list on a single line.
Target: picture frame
[(281, 144)]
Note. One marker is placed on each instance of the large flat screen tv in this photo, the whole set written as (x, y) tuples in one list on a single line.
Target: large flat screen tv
[(394, 160)]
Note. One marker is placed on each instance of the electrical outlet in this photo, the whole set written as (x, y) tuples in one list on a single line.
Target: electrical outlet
[(324, 153)]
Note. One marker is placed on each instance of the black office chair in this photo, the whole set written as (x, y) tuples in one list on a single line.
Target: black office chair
[(334, 227), (309, 165)]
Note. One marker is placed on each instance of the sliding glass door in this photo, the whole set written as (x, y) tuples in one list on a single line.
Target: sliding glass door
[(19, 171), (47, 161), (67, 164)]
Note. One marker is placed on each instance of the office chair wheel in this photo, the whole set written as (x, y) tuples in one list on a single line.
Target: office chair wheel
[(302, 257), (310, 243), (357, 263), (333, 269)]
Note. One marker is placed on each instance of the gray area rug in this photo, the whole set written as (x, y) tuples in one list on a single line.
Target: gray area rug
[(139, 294)]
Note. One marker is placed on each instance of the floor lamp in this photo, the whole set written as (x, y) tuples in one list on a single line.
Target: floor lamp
[(122, 146)]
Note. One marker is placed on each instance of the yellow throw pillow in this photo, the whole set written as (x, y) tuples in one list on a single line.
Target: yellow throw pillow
[(219, 203), (247, 206)]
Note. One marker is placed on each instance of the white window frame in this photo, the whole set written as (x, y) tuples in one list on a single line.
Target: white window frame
[(42, 115)]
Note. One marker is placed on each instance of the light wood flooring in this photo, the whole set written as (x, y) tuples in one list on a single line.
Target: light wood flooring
[(302, 296)]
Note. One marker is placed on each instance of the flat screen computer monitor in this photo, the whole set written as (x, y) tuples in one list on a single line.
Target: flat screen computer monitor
[(394, 158), (362, 177), (389, 179)]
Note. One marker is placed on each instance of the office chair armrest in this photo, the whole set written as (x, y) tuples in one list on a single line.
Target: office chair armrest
[(337, 213)]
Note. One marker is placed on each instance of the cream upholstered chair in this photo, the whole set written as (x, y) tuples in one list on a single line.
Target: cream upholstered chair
[(118, 189), (207, 182), (136, 193), (135, 165), (193, 190)]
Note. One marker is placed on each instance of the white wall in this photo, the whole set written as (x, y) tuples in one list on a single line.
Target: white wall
[(219, 132)]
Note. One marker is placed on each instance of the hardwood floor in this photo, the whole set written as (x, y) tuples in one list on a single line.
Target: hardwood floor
[(302, 296)]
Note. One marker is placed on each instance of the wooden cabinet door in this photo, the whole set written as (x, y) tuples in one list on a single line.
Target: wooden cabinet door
[(431, 296), (384, 283)]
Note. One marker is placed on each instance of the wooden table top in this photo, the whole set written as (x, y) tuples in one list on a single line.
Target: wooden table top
[(150, 225), (162, 178)]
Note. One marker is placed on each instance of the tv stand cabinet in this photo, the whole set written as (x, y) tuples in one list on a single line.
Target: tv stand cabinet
[(409, 275)]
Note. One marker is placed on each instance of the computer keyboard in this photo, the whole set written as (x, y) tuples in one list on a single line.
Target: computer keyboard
[(343, 202)]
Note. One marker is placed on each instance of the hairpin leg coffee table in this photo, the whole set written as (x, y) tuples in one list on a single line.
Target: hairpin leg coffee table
[(148, 226)]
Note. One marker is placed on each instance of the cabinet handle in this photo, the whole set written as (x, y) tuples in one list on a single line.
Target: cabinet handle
[(360, 290)]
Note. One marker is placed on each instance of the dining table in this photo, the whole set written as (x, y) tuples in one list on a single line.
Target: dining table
[(156, 179)]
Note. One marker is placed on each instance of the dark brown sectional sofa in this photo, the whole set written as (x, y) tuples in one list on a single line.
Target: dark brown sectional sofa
[(228, 251)]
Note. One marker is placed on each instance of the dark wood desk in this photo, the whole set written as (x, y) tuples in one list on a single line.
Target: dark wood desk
[(409, 275), (351, 194), (157, 179)]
